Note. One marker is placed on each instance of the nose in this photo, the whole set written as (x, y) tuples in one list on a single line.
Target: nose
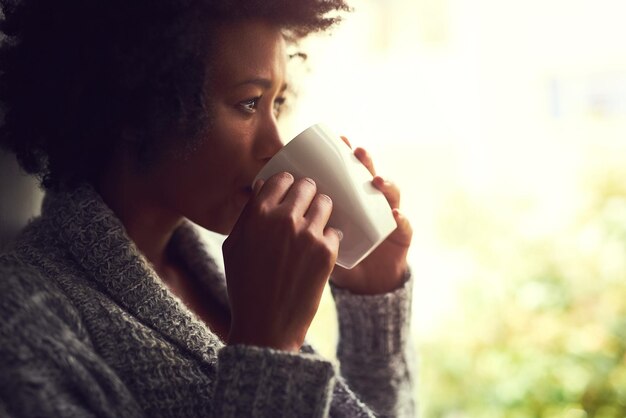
[(268, 140)]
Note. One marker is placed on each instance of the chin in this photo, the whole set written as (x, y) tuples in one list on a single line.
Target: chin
[(215, 227), (220, 220), (222, 226), (223, 230)]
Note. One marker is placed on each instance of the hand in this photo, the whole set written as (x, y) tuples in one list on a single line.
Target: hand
[(277, 261), (383, 270)]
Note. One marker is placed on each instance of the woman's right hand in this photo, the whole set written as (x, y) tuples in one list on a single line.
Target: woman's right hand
[(278, 258)]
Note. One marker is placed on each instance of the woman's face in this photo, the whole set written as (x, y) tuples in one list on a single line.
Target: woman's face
[(212, 184)]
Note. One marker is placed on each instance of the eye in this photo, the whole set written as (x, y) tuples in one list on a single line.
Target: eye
[(250, 105), (278, 104)]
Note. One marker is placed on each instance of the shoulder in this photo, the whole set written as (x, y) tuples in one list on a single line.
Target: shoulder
[(29, 301), (48, 366)]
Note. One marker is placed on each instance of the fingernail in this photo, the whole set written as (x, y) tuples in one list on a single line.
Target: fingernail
[(339, 234)]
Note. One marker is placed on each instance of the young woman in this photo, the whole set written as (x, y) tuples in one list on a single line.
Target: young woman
[(144, 117)]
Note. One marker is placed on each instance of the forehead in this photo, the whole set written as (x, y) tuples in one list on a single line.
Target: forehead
[(248, 49)]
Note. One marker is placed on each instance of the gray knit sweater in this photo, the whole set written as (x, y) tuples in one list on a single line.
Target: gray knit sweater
[(88, 329)]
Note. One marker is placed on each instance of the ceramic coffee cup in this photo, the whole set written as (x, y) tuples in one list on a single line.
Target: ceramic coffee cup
[(360, 211)]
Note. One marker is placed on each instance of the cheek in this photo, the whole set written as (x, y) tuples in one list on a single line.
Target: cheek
[(229, 142), (215, 167), (218, 165)]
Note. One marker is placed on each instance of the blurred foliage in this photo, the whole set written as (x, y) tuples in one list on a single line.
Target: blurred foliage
[(541, 330)]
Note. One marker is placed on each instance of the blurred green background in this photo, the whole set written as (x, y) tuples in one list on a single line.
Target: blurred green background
[(543, 332)]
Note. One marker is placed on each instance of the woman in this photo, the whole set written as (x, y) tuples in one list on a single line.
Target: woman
[(140, 118)]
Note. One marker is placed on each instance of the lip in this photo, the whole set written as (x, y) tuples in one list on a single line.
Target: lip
[(246, 188), (243, 195)]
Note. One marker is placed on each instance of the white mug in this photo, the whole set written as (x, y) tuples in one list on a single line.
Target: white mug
[(360, 211)]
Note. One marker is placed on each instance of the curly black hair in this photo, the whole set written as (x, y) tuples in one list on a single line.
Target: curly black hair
[(79, 76)]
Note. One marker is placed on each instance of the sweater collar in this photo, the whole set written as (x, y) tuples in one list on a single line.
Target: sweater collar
[(97, 240)]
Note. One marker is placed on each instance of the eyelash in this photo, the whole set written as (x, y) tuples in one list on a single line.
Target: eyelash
[(249, 106)]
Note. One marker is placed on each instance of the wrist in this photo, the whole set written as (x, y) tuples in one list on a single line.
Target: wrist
[(375, 282), (236, 337), (375, 325)]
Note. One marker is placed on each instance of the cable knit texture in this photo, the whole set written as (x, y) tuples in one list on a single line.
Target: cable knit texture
[(89, 329), (373, 347)]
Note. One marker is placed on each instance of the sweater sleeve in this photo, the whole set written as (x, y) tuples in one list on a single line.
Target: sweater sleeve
[(47, 365), (271, 383), (373, 348)]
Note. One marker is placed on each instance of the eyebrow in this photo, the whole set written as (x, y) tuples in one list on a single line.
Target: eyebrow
[(261, 82)]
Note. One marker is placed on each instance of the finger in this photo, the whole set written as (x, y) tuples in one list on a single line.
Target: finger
[(365, 159), (344, 139), (275, 188), (319, 212), (404, 232), (333, 236), (389, 189), (338, 232), (299, 197)]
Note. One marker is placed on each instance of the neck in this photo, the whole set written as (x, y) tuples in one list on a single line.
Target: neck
[(149, 224)]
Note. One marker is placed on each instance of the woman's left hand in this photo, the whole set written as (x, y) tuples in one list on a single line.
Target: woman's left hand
[(383, 270)]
